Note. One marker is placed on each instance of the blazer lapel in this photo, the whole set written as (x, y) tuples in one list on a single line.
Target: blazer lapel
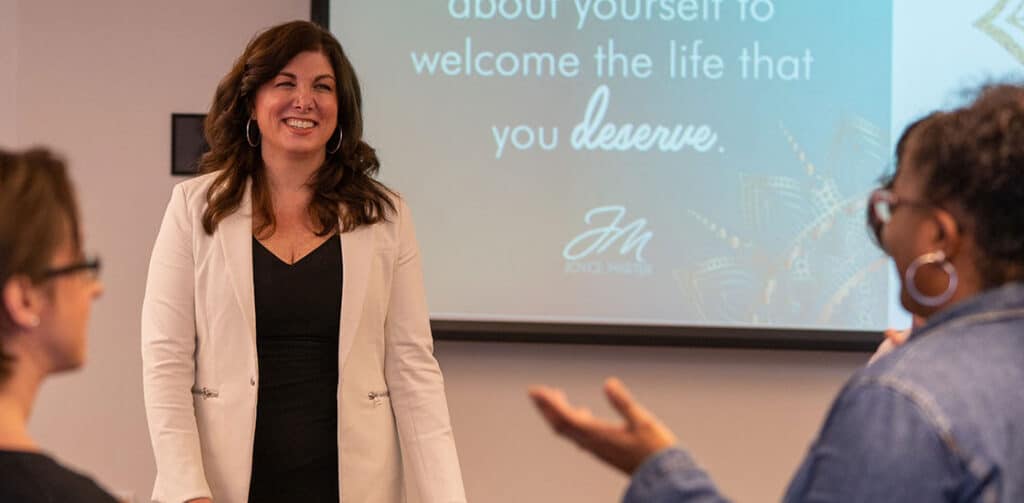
[(235, 234), (356, 254)]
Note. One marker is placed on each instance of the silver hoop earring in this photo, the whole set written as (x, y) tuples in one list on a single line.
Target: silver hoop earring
[(248, 135), (936, 257), (338, 146)]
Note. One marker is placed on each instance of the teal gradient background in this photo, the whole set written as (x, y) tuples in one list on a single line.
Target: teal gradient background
[(765, 229)]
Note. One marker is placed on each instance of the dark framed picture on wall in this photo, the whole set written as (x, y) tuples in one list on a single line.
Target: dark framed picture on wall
[(188, 143), (319, 11)]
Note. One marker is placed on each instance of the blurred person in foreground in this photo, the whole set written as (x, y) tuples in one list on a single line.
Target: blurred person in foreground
[(940, 417), (47, 287)]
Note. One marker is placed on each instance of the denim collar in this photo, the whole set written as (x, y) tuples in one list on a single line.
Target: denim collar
[(1006, 297)]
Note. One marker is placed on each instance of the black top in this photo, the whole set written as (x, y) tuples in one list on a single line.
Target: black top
[(298, 313), (30, 477)]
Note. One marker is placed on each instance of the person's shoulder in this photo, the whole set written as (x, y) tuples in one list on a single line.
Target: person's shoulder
[(30, 477), (930, 369), (197, 185), (903, 371), (902, 364), (396, 222), (937, 351), (396, 209), (396, 199), (23, 462), (190, 196)]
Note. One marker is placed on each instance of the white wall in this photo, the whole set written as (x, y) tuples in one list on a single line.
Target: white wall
[(99, 81)]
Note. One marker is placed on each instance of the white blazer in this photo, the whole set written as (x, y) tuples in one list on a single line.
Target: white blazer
[(200, 376)]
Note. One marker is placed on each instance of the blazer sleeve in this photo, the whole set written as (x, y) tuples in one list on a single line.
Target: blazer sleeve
[(168, 362), (429, 458)]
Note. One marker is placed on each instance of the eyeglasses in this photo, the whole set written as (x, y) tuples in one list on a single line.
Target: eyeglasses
[(89, 265), (881, 205)]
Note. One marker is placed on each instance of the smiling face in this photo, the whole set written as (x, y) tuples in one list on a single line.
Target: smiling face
[(297, 110)]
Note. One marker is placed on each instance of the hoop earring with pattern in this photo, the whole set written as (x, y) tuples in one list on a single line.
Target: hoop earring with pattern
[(936, 257)]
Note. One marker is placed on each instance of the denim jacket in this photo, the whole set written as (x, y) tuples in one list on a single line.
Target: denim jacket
[(940, 418)]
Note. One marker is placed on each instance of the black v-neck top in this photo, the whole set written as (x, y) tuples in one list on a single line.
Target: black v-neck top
[(298, 316)]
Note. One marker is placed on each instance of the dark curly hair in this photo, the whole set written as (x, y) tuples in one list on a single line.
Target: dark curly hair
[(973, 160), (343, 186)]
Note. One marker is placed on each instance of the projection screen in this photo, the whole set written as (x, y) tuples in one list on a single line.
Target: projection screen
[(658, 171)]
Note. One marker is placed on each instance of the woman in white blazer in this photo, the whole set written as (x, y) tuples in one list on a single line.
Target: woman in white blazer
[(286, 344)]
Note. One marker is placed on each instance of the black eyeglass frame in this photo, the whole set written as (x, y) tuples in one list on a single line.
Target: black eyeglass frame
[(886, 196), (92, 265)]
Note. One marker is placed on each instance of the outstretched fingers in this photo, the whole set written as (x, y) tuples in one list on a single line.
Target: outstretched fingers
[(553, 406), (623, 401), (576, 423)]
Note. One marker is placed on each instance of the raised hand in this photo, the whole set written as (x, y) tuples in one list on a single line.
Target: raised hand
[(622, 445)]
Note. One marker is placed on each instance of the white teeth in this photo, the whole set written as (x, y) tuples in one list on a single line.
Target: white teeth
[(299, 123)]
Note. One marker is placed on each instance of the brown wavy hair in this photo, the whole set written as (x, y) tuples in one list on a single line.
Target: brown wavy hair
[(343, 187), (39, 207)]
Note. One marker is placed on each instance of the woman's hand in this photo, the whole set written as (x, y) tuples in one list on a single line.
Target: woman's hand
[(895, 338), (624, 446)]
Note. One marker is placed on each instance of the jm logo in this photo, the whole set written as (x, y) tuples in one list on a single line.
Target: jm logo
[(631, 238)]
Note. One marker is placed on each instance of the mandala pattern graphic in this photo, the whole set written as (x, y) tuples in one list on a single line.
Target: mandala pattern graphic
[(1004, 23), (808, 258)]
